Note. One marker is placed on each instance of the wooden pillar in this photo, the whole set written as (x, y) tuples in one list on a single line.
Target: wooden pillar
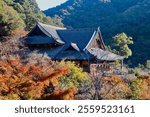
[(122, 64)]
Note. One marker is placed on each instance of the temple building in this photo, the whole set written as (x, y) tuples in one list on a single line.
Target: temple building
[(84, 47)]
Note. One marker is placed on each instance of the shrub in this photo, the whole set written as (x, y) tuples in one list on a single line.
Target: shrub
[(137, 89), (75, 77), (135, 71)]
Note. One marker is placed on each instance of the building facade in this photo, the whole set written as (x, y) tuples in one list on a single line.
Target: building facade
[(84, 47)]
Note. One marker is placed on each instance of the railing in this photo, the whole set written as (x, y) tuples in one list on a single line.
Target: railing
[(107, 69)]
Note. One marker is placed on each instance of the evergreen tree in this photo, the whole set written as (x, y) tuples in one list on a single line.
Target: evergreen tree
[(122, 41)]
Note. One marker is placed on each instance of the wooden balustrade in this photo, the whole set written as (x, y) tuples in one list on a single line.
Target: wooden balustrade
[(102, 67)]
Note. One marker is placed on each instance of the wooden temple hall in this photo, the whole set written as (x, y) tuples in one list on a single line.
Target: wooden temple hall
[(84, 47)]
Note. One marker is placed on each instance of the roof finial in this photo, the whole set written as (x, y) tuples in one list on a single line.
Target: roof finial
[(99, 29)]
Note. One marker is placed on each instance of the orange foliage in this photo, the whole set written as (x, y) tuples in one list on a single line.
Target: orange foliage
[(114, 88), (145, 87), (62, 94), (23, 81), (19, 32)]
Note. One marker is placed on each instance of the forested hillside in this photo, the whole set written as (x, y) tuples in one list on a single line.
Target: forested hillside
[(29, 74), (113, 16), (21, 14)]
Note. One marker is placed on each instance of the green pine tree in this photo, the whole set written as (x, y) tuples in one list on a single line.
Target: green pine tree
[(122, 41)]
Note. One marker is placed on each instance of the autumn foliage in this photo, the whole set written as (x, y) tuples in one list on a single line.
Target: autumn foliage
[(141, 87), (20, 80), (115, 87), (62, 94), (42, 79), (19, 32)]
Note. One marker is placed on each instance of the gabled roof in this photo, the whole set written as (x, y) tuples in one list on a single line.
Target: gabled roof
[(74, 44), (46, 33), (95, 34), (79, 37)]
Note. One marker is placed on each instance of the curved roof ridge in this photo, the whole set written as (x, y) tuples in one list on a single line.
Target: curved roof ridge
[(93, 36), (51, 31), (99, 30), (75, 46), (51, 26), (44, 31)]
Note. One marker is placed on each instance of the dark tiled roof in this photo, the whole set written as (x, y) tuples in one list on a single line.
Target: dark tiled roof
[(39, 40), (74, 55), (59, 53), (44, 34), (74, 44), (79, 37), (52, 52)]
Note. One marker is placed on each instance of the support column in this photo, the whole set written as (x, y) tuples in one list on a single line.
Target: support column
[(121, 64)]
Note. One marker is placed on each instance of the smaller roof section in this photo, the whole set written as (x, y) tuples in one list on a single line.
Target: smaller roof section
[(74, 45), (104, 55)]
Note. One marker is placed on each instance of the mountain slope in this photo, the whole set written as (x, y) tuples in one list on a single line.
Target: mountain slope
[(113, 16), (21, 14), (9, 19)]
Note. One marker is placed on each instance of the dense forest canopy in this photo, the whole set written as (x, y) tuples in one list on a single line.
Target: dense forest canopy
[(113, 16), (21, 14)]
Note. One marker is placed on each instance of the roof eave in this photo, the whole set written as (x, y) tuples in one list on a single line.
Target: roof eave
[(93, 36), (48, 34)]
